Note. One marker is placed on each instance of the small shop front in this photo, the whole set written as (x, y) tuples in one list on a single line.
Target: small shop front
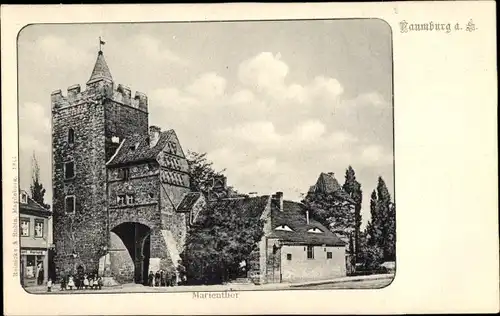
[(34, 263)]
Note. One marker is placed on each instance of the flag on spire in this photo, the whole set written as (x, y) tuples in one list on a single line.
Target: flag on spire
[(101, 42)]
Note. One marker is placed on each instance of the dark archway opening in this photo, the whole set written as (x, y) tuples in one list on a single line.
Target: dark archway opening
[(136, 238)]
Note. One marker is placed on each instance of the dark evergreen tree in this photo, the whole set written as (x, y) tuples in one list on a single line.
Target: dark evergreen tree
[(386, 213), (36, 187), (353, 188), (381, 229)]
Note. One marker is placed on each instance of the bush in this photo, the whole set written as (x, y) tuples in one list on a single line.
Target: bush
[(372, 258)]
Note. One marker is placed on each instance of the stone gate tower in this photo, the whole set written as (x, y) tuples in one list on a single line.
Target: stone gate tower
[(85, 126), (121, 197)]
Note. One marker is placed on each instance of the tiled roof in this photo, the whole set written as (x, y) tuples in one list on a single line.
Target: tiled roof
[(136, 148), (294, 216), (244, 206), (188, 201), (328, 184), (101, 70), (32, 205)]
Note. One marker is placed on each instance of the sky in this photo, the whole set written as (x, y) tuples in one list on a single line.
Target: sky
[(274, 103)]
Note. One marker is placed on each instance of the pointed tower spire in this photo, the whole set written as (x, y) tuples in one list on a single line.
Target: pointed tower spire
[(101, 70)]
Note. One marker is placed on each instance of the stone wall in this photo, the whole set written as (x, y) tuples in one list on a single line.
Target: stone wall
[(123, 121), (143, 184), (122, 264), (172, 220), (84, 231), (95, 116), (273, 261)]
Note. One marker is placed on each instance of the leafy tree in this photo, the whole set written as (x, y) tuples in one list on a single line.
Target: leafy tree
[(371, 257), (353, 188), (36, 187), (330, 209), (202, 173), (215, 248)]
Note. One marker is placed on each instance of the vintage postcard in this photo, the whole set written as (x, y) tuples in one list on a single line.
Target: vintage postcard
[(239, 159)]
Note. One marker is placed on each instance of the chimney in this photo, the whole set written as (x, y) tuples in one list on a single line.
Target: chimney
[(277, 200), (154, 135), (219, 183)]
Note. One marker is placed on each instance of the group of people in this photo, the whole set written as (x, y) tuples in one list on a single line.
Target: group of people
[(79, 282), (162, 278)]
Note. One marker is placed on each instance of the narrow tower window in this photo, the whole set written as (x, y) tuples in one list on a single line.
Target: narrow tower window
[(71, 136), (70, 204), (69, 170)]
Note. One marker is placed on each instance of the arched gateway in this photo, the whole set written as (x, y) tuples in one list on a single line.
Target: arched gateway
[(130, 251)]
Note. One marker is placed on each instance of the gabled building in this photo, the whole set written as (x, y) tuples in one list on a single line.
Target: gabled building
[(294, 246), (35, 223)]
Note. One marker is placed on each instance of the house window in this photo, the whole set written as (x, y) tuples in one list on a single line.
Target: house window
[(151, 195), (329, 255), (24, 198), (70, 204), (120, 199), (71, 136), (130, 199), (284, 227), (69, 170), (38, 228), (310, 252), (288, 256), (25, 227), (124, 173), (315, 230)]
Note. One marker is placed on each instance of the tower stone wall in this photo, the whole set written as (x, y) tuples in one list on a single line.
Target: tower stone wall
[(86, 124)]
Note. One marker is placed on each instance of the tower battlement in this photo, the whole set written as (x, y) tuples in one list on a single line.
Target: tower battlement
[(120, 94)]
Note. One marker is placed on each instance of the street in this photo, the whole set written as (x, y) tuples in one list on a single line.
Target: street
[(365, 284), (373, 282)]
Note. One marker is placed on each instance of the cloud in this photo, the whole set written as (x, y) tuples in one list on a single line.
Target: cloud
[(35, 137), (263, 72), (156, 51), (368, 99), (208, 85), (266, 73), (58, 52), (375, 155)]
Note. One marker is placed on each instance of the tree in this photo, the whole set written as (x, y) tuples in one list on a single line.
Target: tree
[(332, 210), (353, 188), (215, 248), (36, 187), (387, 215), (202, 173), (381, 229)]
